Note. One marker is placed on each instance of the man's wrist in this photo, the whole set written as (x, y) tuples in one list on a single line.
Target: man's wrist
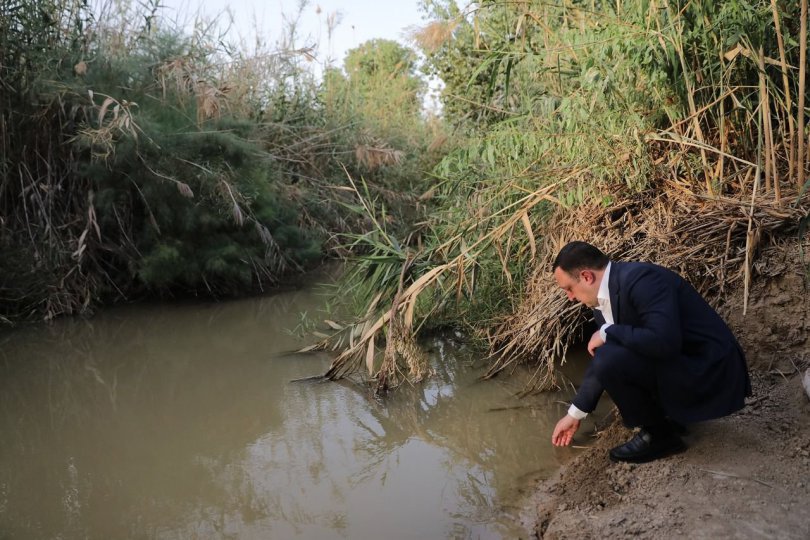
[(602, 333), (575, 413)]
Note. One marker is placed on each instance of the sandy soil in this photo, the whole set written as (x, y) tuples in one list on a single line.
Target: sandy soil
[(743, 476)]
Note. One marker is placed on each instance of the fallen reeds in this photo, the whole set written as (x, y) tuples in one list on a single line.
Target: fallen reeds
[(705, 239), (398, 323)]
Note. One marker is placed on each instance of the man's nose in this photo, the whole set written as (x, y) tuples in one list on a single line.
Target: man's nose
[(570, 295)]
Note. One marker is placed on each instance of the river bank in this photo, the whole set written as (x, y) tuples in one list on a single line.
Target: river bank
[(743, 476)]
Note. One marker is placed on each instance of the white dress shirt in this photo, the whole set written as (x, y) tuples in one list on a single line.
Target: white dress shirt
[(603, 305)]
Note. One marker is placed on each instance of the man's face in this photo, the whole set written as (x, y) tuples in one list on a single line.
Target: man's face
[(582, 287)]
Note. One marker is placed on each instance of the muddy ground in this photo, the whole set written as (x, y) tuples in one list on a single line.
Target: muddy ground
[(743, 476)]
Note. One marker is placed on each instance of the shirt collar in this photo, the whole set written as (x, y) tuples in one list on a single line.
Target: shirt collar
[(603, 295)]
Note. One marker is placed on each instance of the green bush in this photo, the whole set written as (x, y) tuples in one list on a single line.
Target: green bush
[(142, 159)]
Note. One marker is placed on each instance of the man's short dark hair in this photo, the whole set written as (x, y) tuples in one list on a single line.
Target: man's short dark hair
[(576, 256)]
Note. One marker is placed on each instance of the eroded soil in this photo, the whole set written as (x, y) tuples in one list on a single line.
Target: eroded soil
[(743, 476)]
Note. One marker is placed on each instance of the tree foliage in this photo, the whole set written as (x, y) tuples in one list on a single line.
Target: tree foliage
[(380, 84)]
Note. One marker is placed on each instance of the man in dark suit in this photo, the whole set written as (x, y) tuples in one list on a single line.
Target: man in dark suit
[(664, 356)]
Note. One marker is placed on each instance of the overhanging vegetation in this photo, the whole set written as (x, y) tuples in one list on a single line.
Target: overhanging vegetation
[(627, 109)]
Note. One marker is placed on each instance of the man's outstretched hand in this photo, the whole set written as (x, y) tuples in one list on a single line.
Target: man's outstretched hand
[(564, 431)]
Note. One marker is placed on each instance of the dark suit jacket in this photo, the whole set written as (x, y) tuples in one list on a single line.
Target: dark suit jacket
[(700, 369)]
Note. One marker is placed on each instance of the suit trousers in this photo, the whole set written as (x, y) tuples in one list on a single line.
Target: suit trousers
[(631, 382)]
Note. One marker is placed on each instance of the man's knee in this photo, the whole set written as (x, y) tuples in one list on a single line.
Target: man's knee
[(606, 360), (612, 361)]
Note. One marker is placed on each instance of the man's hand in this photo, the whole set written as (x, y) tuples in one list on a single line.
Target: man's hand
[(564, 431), (595, 342)]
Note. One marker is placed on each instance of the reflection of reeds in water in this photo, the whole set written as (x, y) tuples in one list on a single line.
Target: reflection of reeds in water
[(215, 465), (450, 411), (492, 450)]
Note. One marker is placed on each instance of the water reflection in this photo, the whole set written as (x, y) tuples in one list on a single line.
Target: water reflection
[(179, 422)]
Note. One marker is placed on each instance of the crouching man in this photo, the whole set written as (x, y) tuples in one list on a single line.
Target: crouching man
[(664, 356)]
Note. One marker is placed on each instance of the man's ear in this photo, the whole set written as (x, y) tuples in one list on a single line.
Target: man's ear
[(588, 276)]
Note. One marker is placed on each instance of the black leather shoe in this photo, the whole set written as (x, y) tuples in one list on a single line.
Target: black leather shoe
[(645, 447)]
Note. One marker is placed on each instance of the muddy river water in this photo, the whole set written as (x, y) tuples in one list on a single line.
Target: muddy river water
[(181, 421)]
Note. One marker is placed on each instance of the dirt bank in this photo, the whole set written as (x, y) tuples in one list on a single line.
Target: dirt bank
[(743, 476)]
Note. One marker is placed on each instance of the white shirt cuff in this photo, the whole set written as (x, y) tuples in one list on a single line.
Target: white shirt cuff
[(576, 413), (602, 333)]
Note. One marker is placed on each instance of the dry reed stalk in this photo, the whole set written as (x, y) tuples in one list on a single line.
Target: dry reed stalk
[(672, 137), (690, 97), (720, 171), (476, 32), (437, 142), (790, 143), (771, 174), (800, 104), (763, 114), (749, 243)]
